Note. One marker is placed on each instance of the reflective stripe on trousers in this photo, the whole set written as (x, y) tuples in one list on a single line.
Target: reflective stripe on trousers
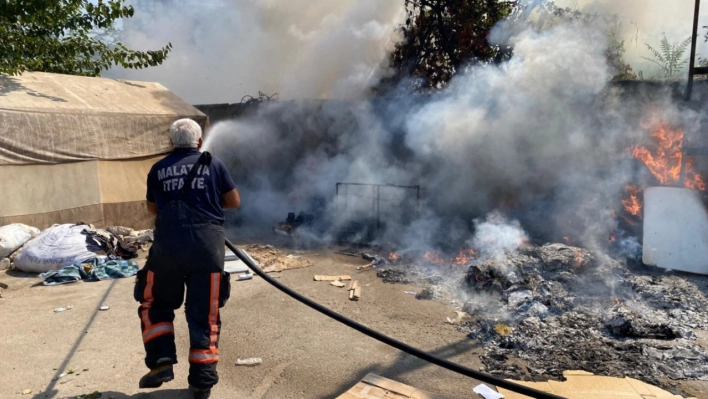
[(152, 331), (211, 355)]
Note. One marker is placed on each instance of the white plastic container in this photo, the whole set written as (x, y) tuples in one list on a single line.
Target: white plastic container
[(675, 230), (244, 276)]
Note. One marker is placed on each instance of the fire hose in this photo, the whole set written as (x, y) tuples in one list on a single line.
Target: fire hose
[(518, 388)]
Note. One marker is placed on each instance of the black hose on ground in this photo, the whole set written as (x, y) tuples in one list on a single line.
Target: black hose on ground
[(489, 379)]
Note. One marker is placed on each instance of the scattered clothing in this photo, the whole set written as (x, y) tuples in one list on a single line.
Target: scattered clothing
[(106, 242), (93, 270)]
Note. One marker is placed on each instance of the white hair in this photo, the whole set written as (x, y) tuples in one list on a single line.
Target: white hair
[(185, 133)]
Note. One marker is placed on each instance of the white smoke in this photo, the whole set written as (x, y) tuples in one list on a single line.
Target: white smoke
[(510, 127), (526, 130), (543, 129), (224, 50), (496, 234)]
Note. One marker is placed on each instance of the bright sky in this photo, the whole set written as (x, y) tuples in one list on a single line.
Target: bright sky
[(646, 21)]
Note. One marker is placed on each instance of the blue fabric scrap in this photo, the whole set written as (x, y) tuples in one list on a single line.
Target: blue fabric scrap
[(92, 270)]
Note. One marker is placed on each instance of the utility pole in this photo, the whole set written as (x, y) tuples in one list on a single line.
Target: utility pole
[(692, 70)]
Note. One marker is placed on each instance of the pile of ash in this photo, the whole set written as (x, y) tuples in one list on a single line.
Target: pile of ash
[(565, 308)]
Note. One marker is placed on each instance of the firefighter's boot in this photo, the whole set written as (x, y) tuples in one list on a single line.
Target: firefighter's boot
[(157, 376), (200, 393)]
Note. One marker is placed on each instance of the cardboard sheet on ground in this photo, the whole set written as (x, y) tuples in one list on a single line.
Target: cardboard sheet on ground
[(376, 387), (234, 265), (584, 385), (273, 260)]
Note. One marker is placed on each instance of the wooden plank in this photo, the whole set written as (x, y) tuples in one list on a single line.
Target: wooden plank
[(332, 278), (390, 385), (338, 283), (357, 293), (397, 388)]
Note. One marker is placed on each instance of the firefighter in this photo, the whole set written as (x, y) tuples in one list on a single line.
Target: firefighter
[(187, 191)]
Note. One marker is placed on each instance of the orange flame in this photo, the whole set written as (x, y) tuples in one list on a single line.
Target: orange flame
[(633, 204), (694, 181), (664, 159), (612, 237), (578, 258), (393, 256), (664, 162), (464, 257), (433, 257)]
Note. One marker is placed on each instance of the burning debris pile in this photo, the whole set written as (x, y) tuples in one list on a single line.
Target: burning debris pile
[(541, 310), (663, 155)]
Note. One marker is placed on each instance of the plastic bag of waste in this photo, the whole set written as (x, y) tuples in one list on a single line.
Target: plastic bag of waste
[(56, 247), (13, 236)]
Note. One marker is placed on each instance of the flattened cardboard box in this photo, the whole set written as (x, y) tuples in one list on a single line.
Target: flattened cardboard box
[(376, 387), (584, 385)]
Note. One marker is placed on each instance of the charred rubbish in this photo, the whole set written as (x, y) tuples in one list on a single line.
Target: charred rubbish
[(293, 222), (567, 308)]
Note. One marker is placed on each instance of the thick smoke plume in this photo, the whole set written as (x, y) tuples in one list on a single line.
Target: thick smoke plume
[(226, 49), (542, 138)]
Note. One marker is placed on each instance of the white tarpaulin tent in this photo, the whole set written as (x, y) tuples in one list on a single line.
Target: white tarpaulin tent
[(76, 148)]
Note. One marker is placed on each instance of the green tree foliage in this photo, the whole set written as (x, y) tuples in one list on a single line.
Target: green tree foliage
[(67, 36), (441, 37), (615, 55), (670, 57)]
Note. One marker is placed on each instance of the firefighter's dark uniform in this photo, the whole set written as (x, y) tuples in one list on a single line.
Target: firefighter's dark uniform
[(188, 251)]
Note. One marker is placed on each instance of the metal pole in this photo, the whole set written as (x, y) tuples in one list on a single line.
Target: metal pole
[(373, 204), (682, 175), (336, 199), (417, 199), (378, 208), (692, 60)]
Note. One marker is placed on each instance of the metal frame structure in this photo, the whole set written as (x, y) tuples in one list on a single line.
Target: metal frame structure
[(376, 196)]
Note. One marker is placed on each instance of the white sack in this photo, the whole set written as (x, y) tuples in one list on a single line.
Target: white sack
[(13, 236), (56, 247), (487, 392)]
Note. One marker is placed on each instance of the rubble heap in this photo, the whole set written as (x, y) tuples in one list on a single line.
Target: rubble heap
[(565, 308)]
